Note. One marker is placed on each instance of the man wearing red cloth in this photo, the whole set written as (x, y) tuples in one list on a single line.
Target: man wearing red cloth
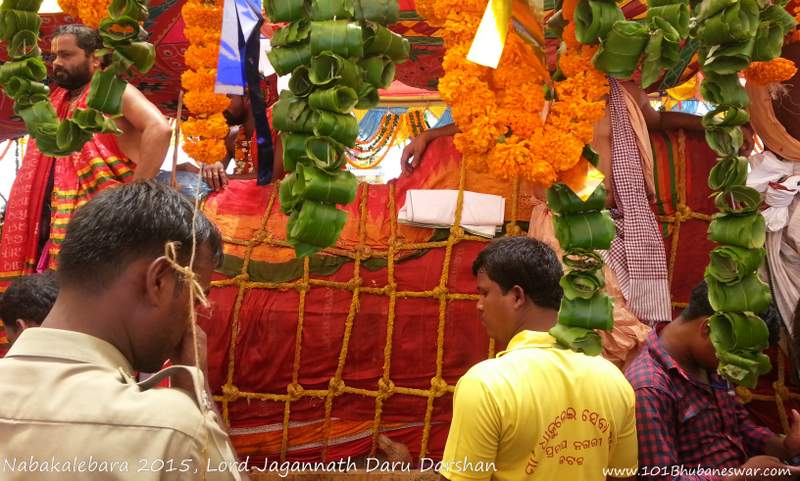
[(47, 190)]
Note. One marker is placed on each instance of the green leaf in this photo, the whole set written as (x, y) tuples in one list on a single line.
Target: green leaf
[(619, 54), (578, 339), (594, 313), (582, 284), (749, 294), (32, 68), (320, 186), (676, 14), (24, 44), (562, 200), (748, 231), (368, 97), (15, 21), (768, 42), (651, 68), (289, 202), (91, 120), (738, 199), (292, 114), (725, 116), (285, 59), (134, 9), (736, 22), (141, 55), (727, 172), (105, 93), (339, 99), (378, 70), (119, 31), (725, 141), (341, 37), (591, 230), (331, 9), (728, 59), (594, 19), (724, 90), (325, 153), (300, 85), (294, 150), (290, 34), (732, 264), (378, 40), (384, 12), (317, 225), (340, 127), (582, 259), (779, 15), (285, 10), (328, 67)]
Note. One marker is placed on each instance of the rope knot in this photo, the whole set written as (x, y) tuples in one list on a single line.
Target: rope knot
[(231, 392), (781, 390), (457, 232), (366, 251), (244, 277), (390, 288), (683, 213), (386, 388), (744, 394), (260, 236), (295, 391), (512, 229), (438, 386), (336, 387), (171, 254), (439, 291)]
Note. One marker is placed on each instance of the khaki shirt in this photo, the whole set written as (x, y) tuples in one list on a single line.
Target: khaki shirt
[(71, 409)]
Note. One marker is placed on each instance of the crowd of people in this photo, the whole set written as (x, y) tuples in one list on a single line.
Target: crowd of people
[(119, 304)]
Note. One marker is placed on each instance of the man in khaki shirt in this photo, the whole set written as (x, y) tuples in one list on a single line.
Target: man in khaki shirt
[(71, 407)]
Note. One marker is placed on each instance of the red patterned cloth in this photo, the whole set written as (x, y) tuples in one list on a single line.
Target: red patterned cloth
[(76, 179)]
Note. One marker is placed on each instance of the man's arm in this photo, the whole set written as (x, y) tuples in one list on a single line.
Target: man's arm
[(155, 132), (412, 154), (474, 432), (658, 438), (760, 440)]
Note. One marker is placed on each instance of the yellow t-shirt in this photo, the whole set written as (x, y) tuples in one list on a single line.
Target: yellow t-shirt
[(538, 412)]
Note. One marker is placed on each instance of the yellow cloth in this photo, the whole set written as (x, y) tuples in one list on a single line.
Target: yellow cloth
[(69, 400), (541, 413)]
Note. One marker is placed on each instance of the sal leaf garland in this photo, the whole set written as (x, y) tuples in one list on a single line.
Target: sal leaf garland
[(22, 76), (339, 54), (733, 36)]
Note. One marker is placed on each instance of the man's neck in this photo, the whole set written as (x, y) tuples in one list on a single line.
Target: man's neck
[(534, 318), (673, 337), (76, 93)]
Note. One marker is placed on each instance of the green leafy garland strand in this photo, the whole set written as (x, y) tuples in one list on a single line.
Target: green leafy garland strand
[(23, 75), (339, 54), (731, 34), (582, 227)]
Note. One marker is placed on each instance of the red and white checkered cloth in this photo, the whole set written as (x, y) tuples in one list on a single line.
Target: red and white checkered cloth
[(637, 254)]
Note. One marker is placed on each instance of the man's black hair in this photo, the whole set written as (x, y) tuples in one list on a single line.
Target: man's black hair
[(29, 298), (523, 262), (126, 223), (87, 39), (699, 306)]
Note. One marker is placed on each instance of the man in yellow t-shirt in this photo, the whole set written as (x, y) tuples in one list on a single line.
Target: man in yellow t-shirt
[(536, 411)]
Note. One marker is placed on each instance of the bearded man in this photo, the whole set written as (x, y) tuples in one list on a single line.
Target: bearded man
[(47, 190)]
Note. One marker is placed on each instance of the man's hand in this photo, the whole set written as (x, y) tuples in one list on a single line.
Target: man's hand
[(767, 465), (749, 142), (394, 451), (412, 154), (184, 353), (792, 441), (215, 176)]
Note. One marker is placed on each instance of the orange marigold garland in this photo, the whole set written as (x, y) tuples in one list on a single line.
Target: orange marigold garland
[(205, 131), (499, 111), (91, 12), (775, 71)]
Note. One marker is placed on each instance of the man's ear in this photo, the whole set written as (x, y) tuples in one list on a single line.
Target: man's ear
[(160, 281), (519, 297), (705, 328), (22, 324)]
